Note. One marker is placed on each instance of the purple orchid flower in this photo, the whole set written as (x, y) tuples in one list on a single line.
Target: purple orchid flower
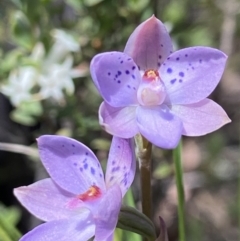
[(76, 202), (160, 94)]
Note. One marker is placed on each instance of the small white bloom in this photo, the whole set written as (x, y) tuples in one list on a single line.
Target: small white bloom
[(63, 45), (66, 40), (20, 84), (57, 78)]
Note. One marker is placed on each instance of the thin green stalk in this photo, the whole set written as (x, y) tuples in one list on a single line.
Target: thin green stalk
[(144, 151), (180, 190), (238, 198)]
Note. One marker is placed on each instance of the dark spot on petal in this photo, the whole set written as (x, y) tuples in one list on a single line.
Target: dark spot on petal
[(119, 72), (129, 86), (129, 59), (170, 52), (75, 164), (134, 67), (180, 80), (159, 64), (81, 169), (186, 55), (134, 88), (127, 72), (121, 62), (168, 58), (200, 61), (111, 178), (192, 68), (109, 73), (181, 74), (85, 166), (118, 146), (85, 160), (92, 170), (161, 45), (73, 153), (100, 174), (173, 81), (169, 70), (133, 76), (159, 56), (73, 145), (177, 59), (115, 169), (119, 81), (63, 146)]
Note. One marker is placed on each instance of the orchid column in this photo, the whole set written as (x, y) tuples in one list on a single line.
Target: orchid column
[(155, 95)]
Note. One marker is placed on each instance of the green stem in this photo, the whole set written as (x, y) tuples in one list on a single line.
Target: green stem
[(144, 151), (180, 190), (238, 197)]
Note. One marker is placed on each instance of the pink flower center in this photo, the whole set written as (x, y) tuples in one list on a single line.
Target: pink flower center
[(92, 193), (151, 75), (151, 91)]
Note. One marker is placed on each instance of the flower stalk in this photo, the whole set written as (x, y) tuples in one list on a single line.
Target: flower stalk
[(180, 190), (144, 151)]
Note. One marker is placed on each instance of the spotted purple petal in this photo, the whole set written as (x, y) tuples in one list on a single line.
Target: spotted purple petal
[(201, 118), (117, 78), (107, 216), (80, 227), (72, 165), (149, 45), (120, 122), (45, 200), (159, 126), (191, 74), (121, 164)]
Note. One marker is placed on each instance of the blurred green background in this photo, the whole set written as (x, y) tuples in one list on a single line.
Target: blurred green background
[(47, 45)]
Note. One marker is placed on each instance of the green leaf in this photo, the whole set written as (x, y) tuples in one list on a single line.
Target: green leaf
[(11, 60), (21, 30), (132, 220), (163, 170), (17, 3), (32, 108), (91, 3), (27, 112), (8, 219), (137, 5)]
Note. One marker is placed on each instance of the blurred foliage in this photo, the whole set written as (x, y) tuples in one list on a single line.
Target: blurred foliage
[(9, 217)]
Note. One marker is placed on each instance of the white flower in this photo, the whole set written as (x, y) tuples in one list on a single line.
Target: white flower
[(63, 45), (57, 78), (19, 85), (53, 72), (66, 40)]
